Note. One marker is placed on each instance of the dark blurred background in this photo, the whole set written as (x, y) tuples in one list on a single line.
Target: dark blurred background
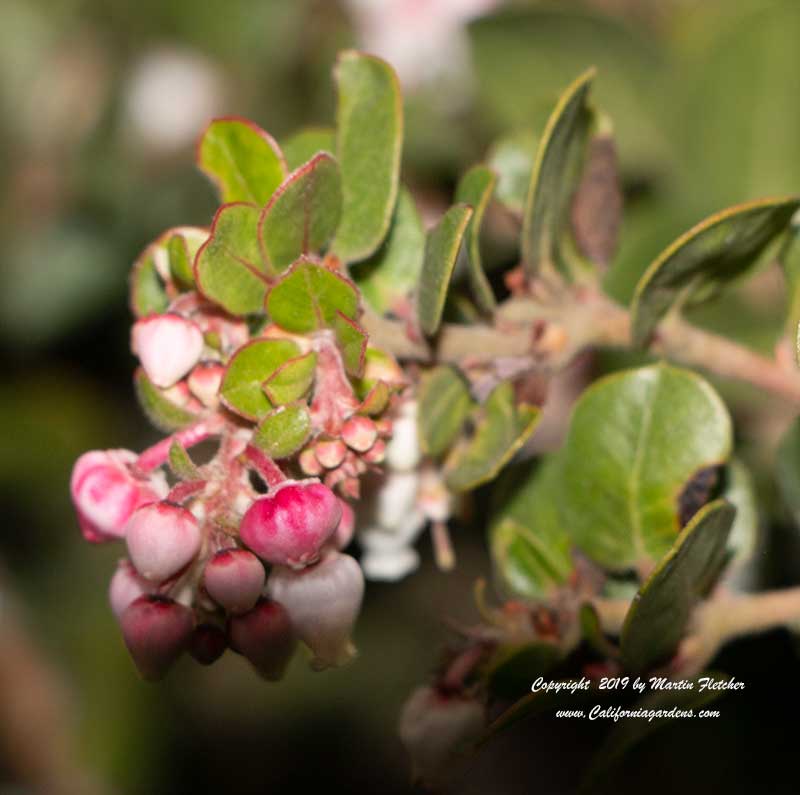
[(100, 104)]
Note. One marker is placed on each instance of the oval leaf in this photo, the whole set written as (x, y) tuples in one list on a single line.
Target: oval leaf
[(229, 269), (250, 366), (390, 274), (158, 408), (242, 160), (284, 431), (303, 213), (706, 258), (305, 143), (501, 427), (441, 251), (308, 297), (636, 439), (661, 610), (555, 176), (291, 380), (475, 189), (369, 120), (530, 546), (444, 405)]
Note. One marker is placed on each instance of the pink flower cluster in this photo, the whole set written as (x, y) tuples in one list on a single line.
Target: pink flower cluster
[(273, 576)]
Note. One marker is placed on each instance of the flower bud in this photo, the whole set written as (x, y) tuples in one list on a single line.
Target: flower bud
[(359, 433), (126, 586), (234, 579), (330, 453), (105, 493), (207, 644), (204, 382), (323, 602), (265, 636), (162, 538), (156, 631), (433, 727), (288, 526), (168, 346), (308, 462), (377, 453)]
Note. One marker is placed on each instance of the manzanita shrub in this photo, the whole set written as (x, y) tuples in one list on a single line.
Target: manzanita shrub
[(353, 371)]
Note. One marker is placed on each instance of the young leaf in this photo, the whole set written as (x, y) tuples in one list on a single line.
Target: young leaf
[(705, 259), (303, 212), (247, 370), (530, 545), (291, 380), (635, 440), (181, 464), (163, 260), (369, 120), (475, 189), (229, 269), (555, 176), (501, 427), (391, 273), (658, 617), (308, 296), (305, 143), (242, 160), (441, 251), (158, 408), (512, 159), (352, 341), (444, 405), (283, 431)]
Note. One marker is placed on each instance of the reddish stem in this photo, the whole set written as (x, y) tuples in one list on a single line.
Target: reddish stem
[(265, 466), (156, 455)]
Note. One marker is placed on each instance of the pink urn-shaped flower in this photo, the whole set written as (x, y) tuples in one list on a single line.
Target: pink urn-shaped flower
[(289, 526), (162, 538), (105, 493), (265, 636), (168, 346), (157, 631), (234, 579), (323, 602), (126, 586)]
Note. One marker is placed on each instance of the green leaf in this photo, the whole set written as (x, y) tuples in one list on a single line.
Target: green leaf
[(305, 143), (705, 259), (165, 258), (291, 380), (636, 439), (241, 389), (303, 213), (444, 405), (284, 431), (501, 427), (441, 251), (308, 296), (555, 176), (658, 617), (158, 408), (376, 400), (475, 189), (352, 341), (592, 632), (369, 120), (242, 160), (512, 158), (229, 269), (180, 462), (379, 366), (530, 546), (392, 272)]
